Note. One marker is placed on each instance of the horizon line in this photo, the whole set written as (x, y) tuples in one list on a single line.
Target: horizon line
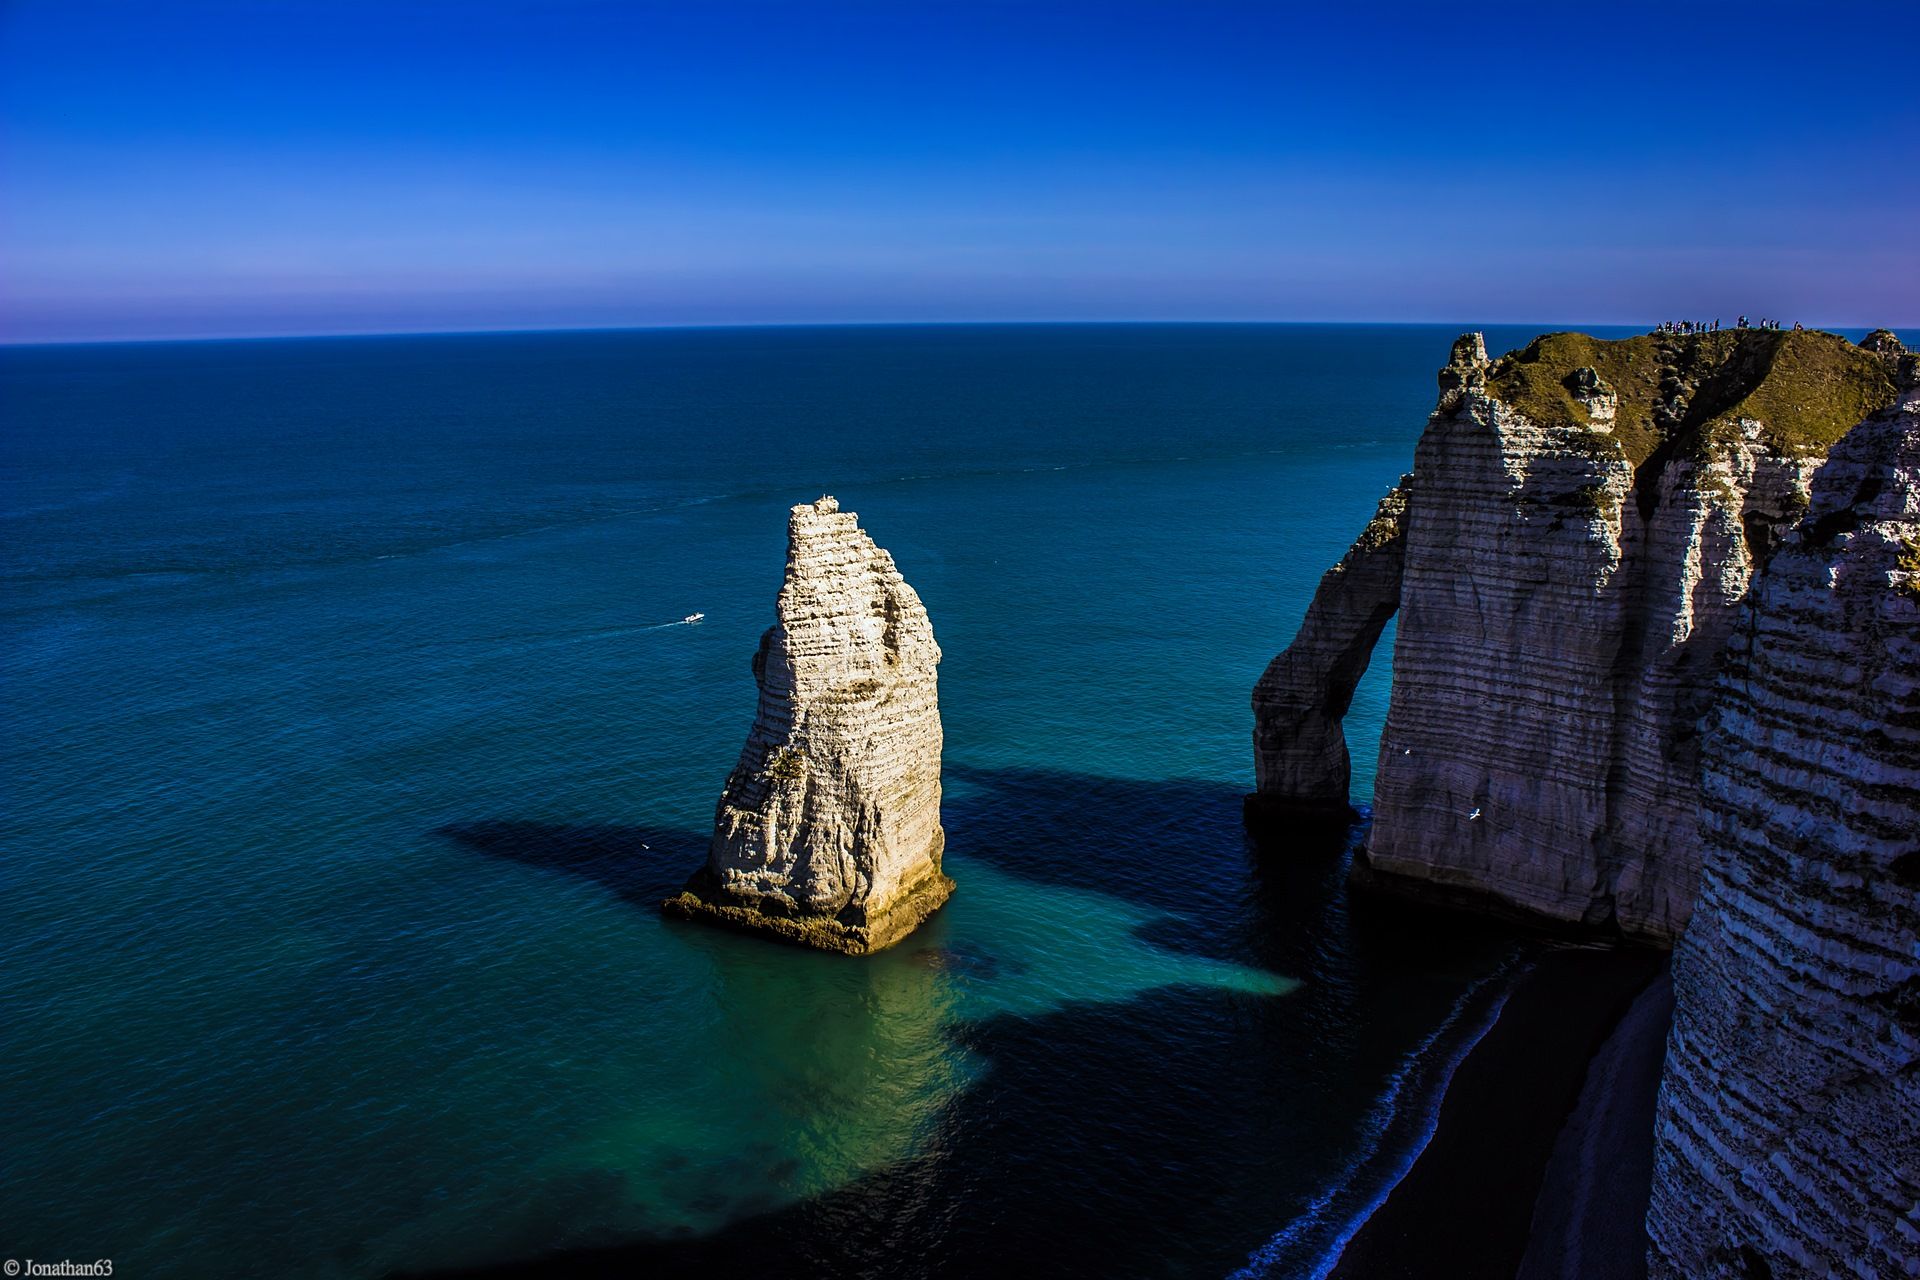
[(1548, 326)]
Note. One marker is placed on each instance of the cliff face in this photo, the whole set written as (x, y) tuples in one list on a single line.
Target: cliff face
[(1582, 522), (828, 833), (1788, 1127)]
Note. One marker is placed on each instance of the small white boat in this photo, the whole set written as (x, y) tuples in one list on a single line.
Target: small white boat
[(693, 617)]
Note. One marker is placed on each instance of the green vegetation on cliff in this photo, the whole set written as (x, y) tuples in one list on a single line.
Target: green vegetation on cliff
[(1908, 562), (1804, 388)]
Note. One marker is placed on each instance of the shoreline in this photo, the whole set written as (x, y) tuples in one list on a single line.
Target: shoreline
[(1590, 1221), (1467, 1202), (1442, 1053)]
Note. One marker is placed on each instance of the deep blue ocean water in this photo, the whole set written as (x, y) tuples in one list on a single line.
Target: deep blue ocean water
[(350, 742)]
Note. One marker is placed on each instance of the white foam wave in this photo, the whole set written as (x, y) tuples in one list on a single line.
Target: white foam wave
[(1312, 1221)]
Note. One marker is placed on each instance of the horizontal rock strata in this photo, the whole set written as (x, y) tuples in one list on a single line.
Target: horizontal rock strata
[(1299, 750), (828, 832), (1582, 523), (1788, 1130)]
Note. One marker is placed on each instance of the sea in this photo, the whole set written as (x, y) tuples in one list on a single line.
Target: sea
[(352, 735)]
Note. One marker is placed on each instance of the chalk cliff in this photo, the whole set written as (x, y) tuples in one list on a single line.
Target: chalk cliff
[(1788, 1127), (1299, 751), (828, 832), (1582, 521)]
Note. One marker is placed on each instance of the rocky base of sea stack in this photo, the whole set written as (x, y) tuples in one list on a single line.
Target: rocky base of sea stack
[(828, 832), (855, 931)]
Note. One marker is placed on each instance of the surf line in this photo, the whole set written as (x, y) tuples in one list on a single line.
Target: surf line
[(1270, 1255)]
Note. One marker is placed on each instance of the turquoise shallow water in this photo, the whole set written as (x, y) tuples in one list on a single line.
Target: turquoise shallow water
[(350, 743)]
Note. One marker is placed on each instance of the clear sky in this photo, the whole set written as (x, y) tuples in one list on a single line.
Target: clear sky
[(194, 167)]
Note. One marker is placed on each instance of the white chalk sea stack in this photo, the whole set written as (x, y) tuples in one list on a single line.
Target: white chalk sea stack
[(828, 833), (1788, 1125)]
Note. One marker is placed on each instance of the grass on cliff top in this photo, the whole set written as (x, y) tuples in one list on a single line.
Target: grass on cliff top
[(1806, 388)]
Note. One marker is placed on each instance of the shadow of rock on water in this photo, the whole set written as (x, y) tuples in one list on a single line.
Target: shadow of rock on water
[(1181, 847), (1108, 1140), (640, 865), (1160, 844), (1150, 842), (1166, 1124), (1174, 847), (1178, 849)]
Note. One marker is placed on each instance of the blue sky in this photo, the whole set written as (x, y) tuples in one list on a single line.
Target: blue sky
[(190, 168)]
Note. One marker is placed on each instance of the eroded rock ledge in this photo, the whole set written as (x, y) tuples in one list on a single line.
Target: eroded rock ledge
[(828, 832), (1582, 522), (1788, 1128)]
